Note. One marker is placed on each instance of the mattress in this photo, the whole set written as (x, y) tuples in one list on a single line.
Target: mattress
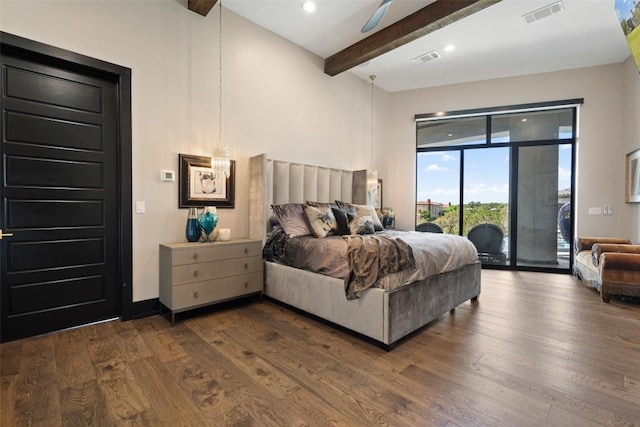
[(433, 253)]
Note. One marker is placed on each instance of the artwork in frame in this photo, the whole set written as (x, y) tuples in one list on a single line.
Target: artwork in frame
[(632, 193), (200, 186)]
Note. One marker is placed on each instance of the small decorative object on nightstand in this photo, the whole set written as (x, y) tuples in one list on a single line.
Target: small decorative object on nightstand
[(193, 228), (208, 220), (194, 275)]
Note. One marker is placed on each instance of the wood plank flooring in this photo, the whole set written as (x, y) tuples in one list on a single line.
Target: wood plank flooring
[(535, 350)]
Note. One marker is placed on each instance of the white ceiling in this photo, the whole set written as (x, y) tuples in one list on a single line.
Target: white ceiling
[(495, 42)]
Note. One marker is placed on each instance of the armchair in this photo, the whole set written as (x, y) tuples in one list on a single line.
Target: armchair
[(610, 265)]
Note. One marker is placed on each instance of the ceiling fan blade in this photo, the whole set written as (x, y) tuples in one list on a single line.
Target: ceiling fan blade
[(377, 16)]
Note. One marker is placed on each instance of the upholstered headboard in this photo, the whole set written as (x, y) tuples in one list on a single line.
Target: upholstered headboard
[(274, 182)]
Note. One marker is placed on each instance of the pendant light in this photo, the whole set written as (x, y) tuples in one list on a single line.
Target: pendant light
[(220, 161)]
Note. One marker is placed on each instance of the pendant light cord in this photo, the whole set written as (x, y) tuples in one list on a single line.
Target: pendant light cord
[(372, 77), (220, 76)]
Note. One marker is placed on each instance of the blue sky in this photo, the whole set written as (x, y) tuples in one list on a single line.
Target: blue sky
[(486, 175), (624, 8)]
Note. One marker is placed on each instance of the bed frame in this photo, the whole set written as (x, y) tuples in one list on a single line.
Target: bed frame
[(384, 316)]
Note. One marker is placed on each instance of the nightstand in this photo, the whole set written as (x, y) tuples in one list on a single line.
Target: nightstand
[(197, 274)]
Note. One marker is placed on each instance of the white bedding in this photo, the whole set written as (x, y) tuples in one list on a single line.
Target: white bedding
[(434, 253)]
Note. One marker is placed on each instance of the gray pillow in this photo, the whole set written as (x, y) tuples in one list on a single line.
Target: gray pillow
[(292, 219), (342, 220)]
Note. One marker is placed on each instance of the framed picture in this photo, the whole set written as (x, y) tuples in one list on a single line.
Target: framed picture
[(380, 204), (632, 193), (200, 186)]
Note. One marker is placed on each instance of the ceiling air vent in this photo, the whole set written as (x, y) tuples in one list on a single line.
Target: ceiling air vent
[(543, 12), (426, 57)]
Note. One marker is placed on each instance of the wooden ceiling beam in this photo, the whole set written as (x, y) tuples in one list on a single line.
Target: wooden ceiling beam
[(426, 20), (202, 7)]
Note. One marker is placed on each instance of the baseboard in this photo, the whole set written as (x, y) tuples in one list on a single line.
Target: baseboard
[(140, 309)]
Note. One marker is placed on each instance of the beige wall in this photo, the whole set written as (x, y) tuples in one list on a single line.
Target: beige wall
[(600, 177), (631, 138), (276, 99)]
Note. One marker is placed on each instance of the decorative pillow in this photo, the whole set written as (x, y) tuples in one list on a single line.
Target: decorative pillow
[(321, 204), (370, 211), (273, 222), (341, 219), (292, 219), (361, 224), (321, 220), (342, 205)]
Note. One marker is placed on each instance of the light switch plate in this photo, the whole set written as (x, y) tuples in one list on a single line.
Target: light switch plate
[(595, 211), (140, 207)]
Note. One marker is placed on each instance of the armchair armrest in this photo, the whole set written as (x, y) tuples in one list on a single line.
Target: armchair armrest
[(600, 248), (620, 268), (586, 243)]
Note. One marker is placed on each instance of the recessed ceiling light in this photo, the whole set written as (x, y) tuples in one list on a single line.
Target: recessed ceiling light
[(309, 6), (449, 48)]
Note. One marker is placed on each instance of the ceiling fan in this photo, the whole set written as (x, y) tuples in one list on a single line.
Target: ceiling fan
[(377, 16)]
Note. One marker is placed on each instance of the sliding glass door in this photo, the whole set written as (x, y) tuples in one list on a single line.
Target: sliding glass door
[(503, 179), (543, 206)]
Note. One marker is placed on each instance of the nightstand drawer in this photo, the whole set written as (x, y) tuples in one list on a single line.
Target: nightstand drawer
[(202, 293), (216, 253), (190, 273)]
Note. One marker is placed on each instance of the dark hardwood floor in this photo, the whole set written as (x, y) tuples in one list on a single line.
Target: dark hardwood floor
[(536, 349)]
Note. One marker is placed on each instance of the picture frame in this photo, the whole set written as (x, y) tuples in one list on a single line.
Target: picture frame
[(632, 181), (380, 204), (199, 186)]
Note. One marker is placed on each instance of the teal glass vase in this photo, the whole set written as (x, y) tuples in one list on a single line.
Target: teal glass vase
[(192, 231), (207, 221)]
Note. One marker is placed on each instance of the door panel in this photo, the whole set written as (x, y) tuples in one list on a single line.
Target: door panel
[(59, 198)]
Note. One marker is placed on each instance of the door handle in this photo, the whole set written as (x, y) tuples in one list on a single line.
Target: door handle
[(4, 234)]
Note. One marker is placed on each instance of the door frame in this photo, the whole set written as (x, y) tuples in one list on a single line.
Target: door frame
[(11, 43)]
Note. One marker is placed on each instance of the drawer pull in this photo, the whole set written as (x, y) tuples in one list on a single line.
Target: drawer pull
[(195, 294), (195, 256), (246, 266), (246, 284), (246, 250), (195, 273)]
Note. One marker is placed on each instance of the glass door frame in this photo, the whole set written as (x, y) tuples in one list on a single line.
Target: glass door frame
[(512, 263)]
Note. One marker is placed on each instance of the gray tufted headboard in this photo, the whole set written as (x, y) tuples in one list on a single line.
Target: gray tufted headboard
[(274, 182)]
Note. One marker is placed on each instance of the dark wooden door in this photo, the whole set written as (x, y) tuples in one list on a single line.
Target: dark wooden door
[(59, 196)]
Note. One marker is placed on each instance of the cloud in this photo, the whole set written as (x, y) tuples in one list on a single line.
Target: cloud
[(436, 168), (481, 188), (448, 158), (437, 193)]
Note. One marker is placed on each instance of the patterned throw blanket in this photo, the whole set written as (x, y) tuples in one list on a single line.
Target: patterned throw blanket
[(372, 257)]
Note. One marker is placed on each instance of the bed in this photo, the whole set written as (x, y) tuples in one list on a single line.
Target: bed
[(385, 316)]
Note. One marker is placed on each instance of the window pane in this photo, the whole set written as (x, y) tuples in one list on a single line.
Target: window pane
[(532, 126), (544, 192), (486, 202), (460, 131), (438, 189)]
